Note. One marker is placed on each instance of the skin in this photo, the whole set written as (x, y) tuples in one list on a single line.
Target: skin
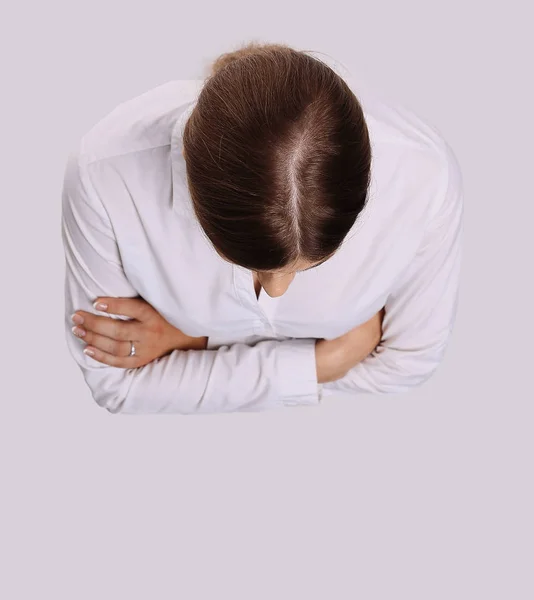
[(154, 337), (109, 339), (276, 283)]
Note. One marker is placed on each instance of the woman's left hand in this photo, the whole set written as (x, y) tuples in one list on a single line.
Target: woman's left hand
[(152, 335)]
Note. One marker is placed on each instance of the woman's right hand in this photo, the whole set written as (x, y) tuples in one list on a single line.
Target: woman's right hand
[(334, 358)]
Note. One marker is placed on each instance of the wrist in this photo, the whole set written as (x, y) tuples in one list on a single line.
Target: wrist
[(192, 343), (198, 343), (181, 341)]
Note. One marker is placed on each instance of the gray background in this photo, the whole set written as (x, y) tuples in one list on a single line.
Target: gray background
[(426, 495)]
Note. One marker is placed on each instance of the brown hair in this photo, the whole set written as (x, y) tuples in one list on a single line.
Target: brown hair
[(278, 157)]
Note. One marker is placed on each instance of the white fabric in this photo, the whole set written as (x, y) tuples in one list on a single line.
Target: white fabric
[(128, 229)]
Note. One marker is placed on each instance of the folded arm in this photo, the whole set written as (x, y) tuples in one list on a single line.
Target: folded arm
[(421, 310), (240, 377)]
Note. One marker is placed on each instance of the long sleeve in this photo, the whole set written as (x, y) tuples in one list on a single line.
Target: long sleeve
[(421, 310), (239, 377)]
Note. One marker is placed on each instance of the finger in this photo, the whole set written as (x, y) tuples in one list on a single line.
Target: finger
[(136, 308), (101, 342), (116, 329), (131, 362)]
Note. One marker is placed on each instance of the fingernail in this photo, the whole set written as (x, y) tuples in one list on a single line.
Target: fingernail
[(78, 331), (78, 319), (89, 352), (100, 306)]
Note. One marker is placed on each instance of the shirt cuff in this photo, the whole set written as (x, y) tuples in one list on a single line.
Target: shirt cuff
[(298, 372)]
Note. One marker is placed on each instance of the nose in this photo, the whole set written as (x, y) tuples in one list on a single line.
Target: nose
[(277, 286), (275, 293)]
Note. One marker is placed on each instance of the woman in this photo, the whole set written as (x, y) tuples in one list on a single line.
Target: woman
[(259, 239)]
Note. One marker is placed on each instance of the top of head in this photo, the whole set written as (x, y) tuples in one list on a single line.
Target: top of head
[(278, 158)]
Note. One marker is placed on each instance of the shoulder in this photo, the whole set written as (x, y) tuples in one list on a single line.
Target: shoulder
[(410, 155), (141, 123)]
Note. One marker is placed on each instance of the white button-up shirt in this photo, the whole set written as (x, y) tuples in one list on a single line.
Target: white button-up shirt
[(129, 230)]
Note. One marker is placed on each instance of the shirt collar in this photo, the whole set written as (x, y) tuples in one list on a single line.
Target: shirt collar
[(181, 198)]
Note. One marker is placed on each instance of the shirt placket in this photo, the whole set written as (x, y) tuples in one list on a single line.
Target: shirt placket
[(263, 307)]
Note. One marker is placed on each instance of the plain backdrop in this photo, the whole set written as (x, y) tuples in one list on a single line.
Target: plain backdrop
[(426, 495)]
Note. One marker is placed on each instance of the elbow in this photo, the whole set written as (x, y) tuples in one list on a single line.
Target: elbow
[(112, 405), (396, 383), (405, 384), (407, 370), (108, 392)]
